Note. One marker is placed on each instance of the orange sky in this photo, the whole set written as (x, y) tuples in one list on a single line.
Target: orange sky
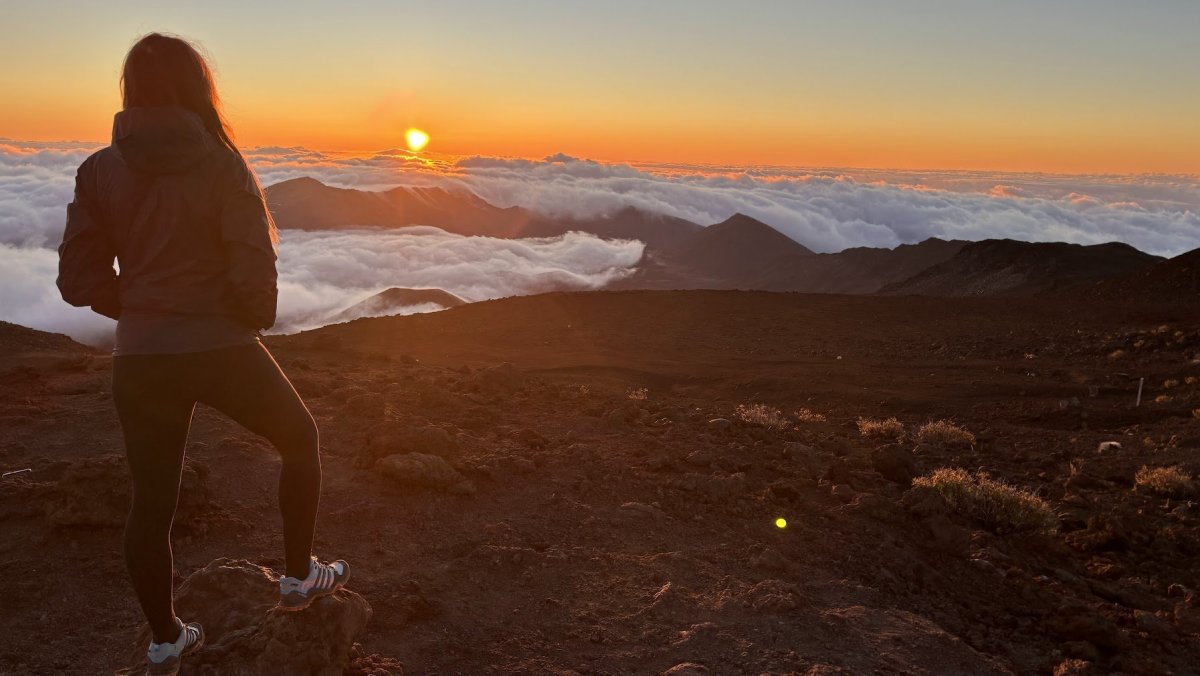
[(1077, 87)]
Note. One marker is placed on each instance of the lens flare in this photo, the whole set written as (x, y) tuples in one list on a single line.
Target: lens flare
[(781, 522), (416, 139)]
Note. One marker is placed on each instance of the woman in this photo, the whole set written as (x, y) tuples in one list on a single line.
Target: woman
[(173, 201)]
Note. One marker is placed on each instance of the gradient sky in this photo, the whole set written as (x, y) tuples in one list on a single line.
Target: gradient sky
[(1065, 86)]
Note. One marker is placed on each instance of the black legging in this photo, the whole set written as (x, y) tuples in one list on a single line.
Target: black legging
[(155, 396)]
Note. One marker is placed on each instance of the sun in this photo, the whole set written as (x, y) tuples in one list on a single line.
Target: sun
[(416, 139)]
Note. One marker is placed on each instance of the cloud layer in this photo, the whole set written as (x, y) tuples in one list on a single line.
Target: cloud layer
[(322, 273), (827, 210)]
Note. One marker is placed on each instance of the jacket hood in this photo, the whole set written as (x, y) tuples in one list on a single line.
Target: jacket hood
[(161, 140)]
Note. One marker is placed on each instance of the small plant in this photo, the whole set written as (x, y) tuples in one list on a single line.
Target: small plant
[(1196, 413), (1171, 482), (1116, 354), (1191, 380), (805, 415), (639, 394), (944, 433), (1162, 399), (761, 414), (1169, 383), (876, 428), (995, 503)]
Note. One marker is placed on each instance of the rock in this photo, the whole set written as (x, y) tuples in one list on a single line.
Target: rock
[(392, 438), (1081, 650), (366, 405), (246, 633), (773, 596), (894, 463), (643, 511), (96, 492), (686, 669), (719, 424), (795, 449), (530, 438), (948, 536), (924, 502), (700, 458), (839, 472), (843, 493), (1074, 667), (425, 471), (1079, 622), (1176, 590), (700, 635), (771, 559), (1108, 446)]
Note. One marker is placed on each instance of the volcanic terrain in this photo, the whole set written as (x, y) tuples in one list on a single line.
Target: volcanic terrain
[(591, 483)]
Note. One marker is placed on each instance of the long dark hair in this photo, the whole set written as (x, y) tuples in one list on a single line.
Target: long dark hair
[(166, 70)]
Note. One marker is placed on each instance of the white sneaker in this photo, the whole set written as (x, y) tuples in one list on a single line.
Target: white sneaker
[(323, 579), (165, 658)]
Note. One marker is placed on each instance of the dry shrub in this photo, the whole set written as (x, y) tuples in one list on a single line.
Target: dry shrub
[(1171, 482), (1162, 399), (761, 414), (997, 504), (639, 394), (1169, 383), (805, 415), (1117, 354), (1191, 380), (1196, 413), (877, 428), (944, 433)]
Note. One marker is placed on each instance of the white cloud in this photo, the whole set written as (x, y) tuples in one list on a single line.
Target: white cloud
[(324, 272), (827, 210)]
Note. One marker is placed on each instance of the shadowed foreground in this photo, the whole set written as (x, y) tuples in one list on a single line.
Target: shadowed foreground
[(542, 485)]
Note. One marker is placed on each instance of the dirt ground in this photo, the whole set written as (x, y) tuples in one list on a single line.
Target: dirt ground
[(615, 515)]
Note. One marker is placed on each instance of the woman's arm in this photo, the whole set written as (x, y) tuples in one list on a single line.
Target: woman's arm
[(86, 277), (249, 237)]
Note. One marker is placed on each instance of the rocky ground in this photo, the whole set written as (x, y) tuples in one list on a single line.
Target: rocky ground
[(565, 484)]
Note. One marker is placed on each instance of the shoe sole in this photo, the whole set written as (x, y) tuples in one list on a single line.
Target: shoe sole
[(289, 607), (171, 668)]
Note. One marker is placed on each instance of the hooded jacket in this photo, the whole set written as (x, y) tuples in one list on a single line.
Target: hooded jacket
[(183, 217)]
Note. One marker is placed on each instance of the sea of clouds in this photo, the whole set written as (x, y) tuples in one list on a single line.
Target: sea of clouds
[(827, 210)]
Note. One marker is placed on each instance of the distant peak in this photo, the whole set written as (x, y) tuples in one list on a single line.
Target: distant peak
[(300, 181), (742, 220)]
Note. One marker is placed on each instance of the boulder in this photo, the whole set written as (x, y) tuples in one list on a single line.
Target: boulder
[(96, 492), (424, 471), (390, 438), (236, 601), (894, 463)]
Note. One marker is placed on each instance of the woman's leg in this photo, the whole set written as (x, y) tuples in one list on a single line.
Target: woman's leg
[(253, 390), (155, 419)]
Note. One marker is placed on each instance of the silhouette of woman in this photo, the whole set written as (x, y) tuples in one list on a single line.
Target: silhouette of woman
[(173, 201)]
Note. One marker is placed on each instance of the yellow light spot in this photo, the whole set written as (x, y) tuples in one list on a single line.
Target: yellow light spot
[(781, 522), (416, 139)]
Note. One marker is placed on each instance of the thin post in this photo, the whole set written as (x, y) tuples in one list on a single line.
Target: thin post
[(1141, 381)]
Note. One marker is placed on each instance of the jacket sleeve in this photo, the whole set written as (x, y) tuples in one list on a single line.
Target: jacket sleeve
[(249, 238), (86, 277)]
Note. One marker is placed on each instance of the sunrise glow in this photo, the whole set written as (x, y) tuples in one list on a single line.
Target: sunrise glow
[(1017, 86), (416, 140)]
